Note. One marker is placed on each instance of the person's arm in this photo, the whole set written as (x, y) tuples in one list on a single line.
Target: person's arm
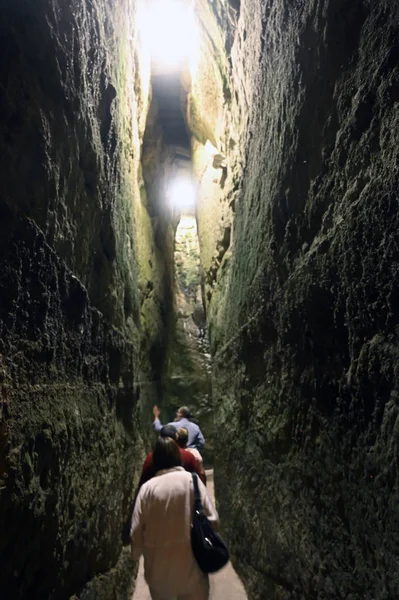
[(147, 471), (157, 425), (191, 464), (197, 469), (201, 471), (137, 529), (200, 442), (208, 506)]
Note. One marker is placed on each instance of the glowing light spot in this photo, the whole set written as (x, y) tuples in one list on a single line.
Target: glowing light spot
[(168, 28), (210, 149), (182, 195)]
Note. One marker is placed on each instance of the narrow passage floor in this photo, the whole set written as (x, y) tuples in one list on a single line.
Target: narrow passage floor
[(225, 585)]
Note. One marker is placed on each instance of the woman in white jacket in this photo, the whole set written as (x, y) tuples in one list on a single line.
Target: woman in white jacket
[(161, 528)]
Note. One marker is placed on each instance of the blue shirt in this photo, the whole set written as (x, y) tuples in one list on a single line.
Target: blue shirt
[(195, 437)]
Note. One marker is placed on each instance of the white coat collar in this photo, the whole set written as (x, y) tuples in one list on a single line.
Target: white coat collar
[(166, 471)]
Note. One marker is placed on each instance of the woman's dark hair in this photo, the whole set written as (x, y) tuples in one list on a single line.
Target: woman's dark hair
[(166, 454)]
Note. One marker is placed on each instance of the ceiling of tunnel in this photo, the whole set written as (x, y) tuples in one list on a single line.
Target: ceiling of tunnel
[(168, 94), (188, 96), (187, 102)]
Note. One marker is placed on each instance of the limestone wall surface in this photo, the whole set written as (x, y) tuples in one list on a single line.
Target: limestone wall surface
[(302, 309), (294, 116), (79, 266)]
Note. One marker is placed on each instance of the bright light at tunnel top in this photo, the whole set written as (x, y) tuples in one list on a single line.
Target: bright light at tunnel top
[(181, 195), (168, 28)]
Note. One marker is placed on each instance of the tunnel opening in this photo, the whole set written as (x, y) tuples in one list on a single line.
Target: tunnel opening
[(172, 194)]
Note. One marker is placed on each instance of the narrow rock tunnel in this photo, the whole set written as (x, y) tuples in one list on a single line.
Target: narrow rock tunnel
[(219, 231)]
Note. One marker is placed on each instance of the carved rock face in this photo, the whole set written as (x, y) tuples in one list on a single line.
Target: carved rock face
[(291, 124), (302, 306), (72, 367)]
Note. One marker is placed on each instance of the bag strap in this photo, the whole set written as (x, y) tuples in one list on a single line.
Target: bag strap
[(197, 497)]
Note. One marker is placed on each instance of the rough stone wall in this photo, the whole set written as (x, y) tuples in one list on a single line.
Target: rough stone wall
[(188, 377), (156, 285), (76, 245), (304, 318), (69, 438), (218, 116)]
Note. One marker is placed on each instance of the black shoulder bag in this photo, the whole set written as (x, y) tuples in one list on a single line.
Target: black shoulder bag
[(208, 547)]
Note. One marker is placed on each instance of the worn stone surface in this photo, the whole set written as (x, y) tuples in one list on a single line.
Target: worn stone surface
[(116, 584), (78, 260), (188, 377), (217, 115), (303, 317), (294, 116), (69, 434)]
